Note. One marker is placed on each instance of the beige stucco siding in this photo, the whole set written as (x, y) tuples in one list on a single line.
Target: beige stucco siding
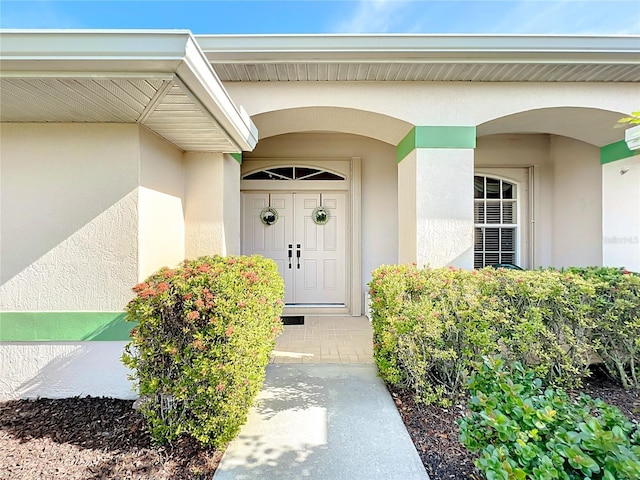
[(212, 204), (577, 195), (160, 204), (231, 208), (69, 216), (432, 103), (621, 213)]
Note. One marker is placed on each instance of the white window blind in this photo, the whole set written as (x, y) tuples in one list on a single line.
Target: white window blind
[(496, 222)]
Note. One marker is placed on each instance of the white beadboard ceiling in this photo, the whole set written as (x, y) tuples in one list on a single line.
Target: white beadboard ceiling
[(160, 105), (462, 58), (436, 72)]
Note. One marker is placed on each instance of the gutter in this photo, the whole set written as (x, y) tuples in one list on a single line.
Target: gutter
[(399, 48)]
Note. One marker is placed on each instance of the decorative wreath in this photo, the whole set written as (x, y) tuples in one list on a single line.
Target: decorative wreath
[(269, 215), (320, 215)]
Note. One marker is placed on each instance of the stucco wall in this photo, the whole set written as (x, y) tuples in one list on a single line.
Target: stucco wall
[(379, 185), (61, 370), (232, 205), (69, 216), (565, 217), (509, 151), (577, 196), (407, 209), (433, 103), (160, 205), (204, 227), (621, 213)]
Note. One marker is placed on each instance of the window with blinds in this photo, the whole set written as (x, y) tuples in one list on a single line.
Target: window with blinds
[(496, 222)]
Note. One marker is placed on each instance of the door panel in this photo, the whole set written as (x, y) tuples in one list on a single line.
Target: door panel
[(269, 240), (323, 249), (318, 276)]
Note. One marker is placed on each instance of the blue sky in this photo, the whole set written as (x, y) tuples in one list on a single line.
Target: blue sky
[(332, 16)]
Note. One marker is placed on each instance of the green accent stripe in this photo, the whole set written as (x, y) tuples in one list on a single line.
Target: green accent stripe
[(63, 326), (237, 156), (616, 151), (436, 137), (406, 145)]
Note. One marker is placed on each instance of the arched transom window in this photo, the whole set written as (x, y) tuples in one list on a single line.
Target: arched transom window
[(496, 222), (292, 173)]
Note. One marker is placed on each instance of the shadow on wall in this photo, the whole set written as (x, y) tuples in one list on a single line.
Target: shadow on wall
[(56, 180), (63, 370)]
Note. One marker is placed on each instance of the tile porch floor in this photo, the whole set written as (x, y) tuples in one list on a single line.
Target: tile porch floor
[(325, 339)]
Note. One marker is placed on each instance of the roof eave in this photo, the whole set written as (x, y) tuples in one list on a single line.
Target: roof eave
[(126, 54)]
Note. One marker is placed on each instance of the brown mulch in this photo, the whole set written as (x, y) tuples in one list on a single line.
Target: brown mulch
[(91, 438), (434, 430), (103, 438)]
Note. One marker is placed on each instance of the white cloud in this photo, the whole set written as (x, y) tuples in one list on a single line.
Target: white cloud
[(570, 17), (493, 16)]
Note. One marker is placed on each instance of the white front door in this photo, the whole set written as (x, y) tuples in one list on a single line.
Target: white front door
[(310, 256)]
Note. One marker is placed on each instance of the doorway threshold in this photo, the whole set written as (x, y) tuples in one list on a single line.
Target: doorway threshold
[(316, 309)]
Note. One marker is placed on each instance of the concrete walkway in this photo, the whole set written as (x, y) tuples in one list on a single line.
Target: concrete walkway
[(322, 421)]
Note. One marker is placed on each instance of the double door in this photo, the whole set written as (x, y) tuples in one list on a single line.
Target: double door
[(310, 254)]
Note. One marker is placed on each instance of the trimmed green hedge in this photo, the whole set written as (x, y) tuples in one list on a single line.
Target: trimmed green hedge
[(199, 352), (616, 333), (431, 325)]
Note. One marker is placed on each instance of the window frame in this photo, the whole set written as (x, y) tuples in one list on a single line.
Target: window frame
[(516, 226)]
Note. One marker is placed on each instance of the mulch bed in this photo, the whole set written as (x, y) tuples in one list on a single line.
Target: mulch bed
[(89, 439), (103, 438)]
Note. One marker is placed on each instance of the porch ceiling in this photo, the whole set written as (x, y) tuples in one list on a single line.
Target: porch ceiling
[(159, 80), (478, 58)]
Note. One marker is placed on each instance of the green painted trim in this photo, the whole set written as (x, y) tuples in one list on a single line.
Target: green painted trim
[(436, 137), (616, 151), (406, 145), (64, 326), (237, 156)]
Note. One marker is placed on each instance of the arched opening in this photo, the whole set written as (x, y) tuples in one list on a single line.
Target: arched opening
[(352, 121), (558, 150), (590, 125)]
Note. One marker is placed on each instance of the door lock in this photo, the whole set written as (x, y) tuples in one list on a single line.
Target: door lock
[(298, 254), (290, 253)]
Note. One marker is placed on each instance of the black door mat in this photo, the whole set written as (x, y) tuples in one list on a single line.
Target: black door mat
[(293, 320)]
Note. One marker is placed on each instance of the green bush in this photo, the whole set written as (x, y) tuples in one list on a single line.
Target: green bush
[(431, 325), (199, 352), (523, 431), (616, 332)]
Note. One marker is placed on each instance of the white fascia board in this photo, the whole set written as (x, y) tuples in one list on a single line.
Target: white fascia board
[(395, 48), (199, 77), (126, 54)]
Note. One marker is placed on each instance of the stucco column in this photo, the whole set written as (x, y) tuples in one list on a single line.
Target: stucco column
[(435, 196), (212, 204), (620, 207)]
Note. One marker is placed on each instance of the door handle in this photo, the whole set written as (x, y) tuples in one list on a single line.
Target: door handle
[(298, 254), (290, 254)]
